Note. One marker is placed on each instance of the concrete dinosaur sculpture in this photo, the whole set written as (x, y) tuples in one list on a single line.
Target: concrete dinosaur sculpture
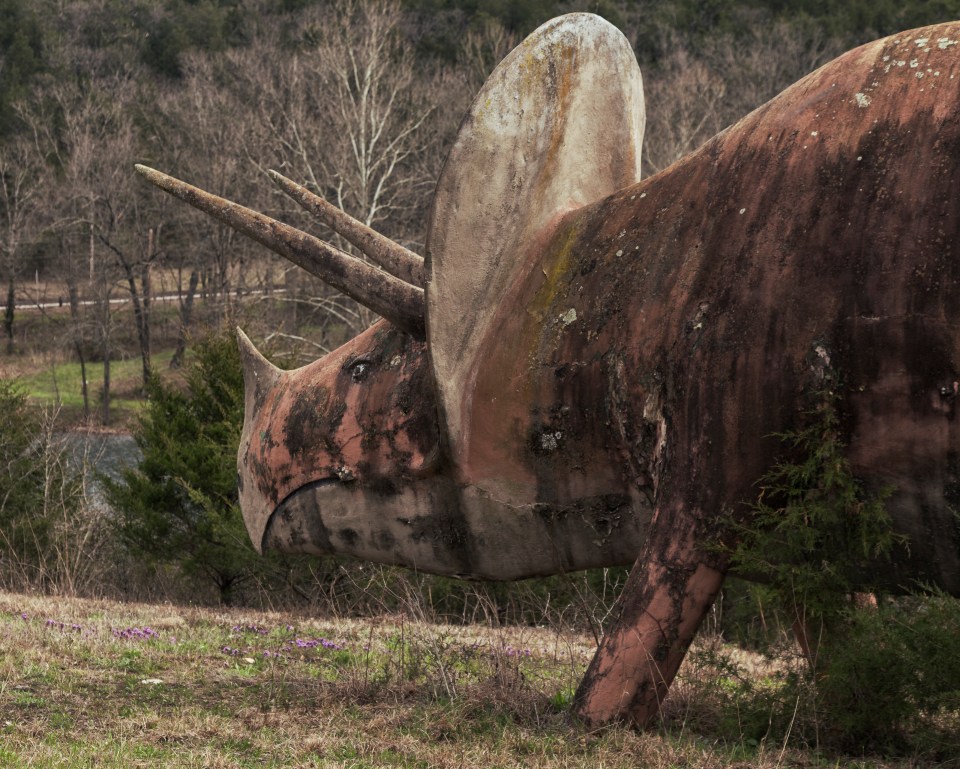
[(596, 366)]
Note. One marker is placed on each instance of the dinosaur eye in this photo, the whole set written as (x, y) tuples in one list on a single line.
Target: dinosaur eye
[(360, 369)]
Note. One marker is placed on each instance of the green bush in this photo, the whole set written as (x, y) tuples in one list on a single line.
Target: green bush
[(883, 676), (814, 533), (50, 536), (180, 505), (893, 677), (888, 683), (23, 533)]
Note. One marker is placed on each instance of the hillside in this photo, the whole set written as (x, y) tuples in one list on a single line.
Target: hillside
[(358, 100)]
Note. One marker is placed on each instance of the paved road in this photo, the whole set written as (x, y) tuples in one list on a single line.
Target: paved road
[(53, 305)]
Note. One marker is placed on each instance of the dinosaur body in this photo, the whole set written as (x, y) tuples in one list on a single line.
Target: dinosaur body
[(617, 397)]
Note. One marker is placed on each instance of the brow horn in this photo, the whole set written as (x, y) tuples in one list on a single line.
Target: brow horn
[(394, 258), (399, 302)]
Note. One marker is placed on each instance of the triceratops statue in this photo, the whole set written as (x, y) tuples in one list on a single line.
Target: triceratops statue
[(587, 369)]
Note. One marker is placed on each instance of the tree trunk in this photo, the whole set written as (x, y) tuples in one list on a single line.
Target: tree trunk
[(105, 405), (670, 589), (223, 287), (808, 639), (139, 297), (140, 321), (105, 349), (186, 316), (145, 289), (74, 299), (9, 313), (226, 585)]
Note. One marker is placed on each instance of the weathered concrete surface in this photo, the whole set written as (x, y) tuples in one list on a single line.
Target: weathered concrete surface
[(558, 124)]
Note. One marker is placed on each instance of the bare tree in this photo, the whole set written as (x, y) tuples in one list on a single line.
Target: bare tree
[(343, 110), (131, 220), (482, 49), (765, 58), (85, 131), (699, 89), (19, 201), (55, 116), (685, 107), (209, 128)]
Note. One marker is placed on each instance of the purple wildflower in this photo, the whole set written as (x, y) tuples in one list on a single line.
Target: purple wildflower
[(510, 651), (313, 643), (135, 633), (62, 627), (253, 629)]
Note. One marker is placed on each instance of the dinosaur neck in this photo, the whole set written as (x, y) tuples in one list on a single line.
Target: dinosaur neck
[(556, 415)]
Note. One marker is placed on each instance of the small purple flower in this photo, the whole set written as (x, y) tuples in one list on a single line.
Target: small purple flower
[(254, 629), (510, 651), (136, 633), (313, 643), (63, 627)]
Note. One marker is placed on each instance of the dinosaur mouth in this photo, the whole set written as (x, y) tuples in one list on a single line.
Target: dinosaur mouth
[(437, 527), (296, 525), (420, 526)]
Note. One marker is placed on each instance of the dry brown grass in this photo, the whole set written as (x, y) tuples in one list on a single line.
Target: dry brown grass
[(395, 693)]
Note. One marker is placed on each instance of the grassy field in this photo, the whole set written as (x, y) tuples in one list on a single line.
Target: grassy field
[(50, 374), (100, 684), (60, 383)]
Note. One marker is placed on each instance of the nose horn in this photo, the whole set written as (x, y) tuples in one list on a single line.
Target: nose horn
[(259, 374)]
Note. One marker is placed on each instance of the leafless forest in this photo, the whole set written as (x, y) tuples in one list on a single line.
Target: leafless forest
[(339, 96)]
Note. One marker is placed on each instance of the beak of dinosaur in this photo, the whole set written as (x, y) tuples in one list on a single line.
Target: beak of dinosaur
[(394, 292), (259, 376)]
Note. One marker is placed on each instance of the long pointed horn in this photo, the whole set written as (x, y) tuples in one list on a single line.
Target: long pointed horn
[(398, 302), (393, 257)]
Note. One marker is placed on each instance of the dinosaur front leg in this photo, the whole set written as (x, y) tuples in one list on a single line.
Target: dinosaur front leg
[(670, 589)]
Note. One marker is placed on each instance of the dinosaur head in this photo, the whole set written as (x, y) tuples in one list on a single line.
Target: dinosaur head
[(360, 422), (379, 450)]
